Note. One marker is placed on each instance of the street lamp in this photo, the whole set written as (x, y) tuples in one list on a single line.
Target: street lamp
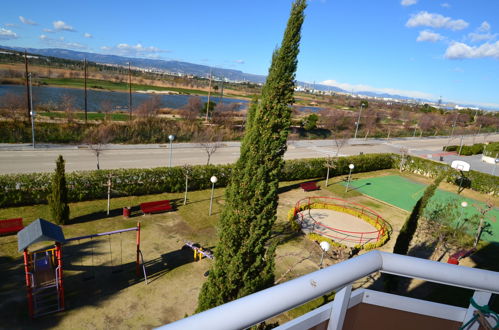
[(496, 160), (358, 121), (351, 167), (464, 204), (213, 180), (325, 246), (171, 137), (31, 112)]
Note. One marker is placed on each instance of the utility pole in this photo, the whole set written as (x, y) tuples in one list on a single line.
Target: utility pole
[(221, 101), (28, 96), (85, 79), (358, 121), (130, 90), (31, 113), (452, 131), (208, 103)]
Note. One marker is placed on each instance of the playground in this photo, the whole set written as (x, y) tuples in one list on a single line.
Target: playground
[(403, 193), (100, 271)]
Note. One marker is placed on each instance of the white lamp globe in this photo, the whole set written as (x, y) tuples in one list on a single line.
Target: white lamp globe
[(351, 166), (171, 137), (325, 246), (213, 179), (464, 203)]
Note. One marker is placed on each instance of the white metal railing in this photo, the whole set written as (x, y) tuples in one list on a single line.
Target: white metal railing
[(262, 305)]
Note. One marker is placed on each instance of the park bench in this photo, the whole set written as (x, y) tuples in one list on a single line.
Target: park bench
[(309, 186), (158, 206), (10, 226)]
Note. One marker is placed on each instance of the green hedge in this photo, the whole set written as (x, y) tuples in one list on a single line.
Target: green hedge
[(33, 188), (478, 181)]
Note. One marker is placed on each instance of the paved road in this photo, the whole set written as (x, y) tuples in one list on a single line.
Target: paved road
[(23, 159)]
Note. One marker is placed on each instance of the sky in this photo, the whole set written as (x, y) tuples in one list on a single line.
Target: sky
[(418, 48)]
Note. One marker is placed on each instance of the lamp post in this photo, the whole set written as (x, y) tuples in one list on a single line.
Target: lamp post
[(496, 160), (464, 204), (358, 121), (31, 111), (171, 137), (351, 167), (325, 246), (213, 180)]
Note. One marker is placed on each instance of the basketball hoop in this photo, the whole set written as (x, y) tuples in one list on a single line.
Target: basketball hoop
[(460, 165)]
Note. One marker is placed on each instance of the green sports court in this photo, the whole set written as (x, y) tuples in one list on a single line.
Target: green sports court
[(404, 193)]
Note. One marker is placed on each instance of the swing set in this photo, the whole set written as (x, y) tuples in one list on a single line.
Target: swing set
[(44, 268)]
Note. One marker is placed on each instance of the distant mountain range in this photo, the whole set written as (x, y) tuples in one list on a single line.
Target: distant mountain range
[(182, 68)]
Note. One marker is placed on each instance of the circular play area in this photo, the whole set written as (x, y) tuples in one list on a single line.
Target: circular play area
[(343, 222)]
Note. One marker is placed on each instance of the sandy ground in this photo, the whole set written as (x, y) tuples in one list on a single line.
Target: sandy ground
[(340, 227)]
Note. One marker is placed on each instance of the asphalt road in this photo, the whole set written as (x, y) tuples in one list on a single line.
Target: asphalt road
[(24, 159)]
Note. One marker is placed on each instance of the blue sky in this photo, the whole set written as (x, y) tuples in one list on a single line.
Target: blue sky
[(417, 48)]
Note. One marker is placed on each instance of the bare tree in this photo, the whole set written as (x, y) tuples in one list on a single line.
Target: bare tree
[(67, 105), (192, 109), (97, 139), (13, 106), (187, 169), (330, 164), (341, 139), (404, 153), (211, 142), (106, 107), (149, 108)]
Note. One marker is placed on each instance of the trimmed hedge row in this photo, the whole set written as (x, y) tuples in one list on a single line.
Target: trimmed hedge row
[(33, 188), (481, 182), (474, 149)]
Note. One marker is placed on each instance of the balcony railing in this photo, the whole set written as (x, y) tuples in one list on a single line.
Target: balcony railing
[(260, 306)]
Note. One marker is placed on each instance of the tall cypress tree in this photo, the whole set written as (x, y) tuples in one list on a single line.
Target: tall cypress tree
[(58, 199), (243, 262)]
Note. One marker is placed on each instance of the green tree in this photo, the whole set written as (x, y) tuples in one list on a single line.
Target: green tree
[(58, 198), (410, 225), (310, 122), (244, 261)]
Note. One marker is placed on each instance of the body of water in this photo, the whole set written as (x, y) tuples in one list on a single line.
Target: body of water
[(119, 100)]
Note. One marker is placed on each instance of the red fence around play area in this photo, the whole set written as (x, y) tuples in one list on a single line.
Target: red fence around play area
[(340, 235)]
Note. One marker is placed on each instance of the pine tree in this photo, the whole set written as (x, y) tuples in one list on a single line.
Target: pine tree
[(59, 196), (244, 262)]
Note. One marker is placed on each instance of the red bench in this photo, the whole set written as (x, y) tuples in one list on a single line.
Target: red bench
[(158, 206), (309, 186), (10, 226)]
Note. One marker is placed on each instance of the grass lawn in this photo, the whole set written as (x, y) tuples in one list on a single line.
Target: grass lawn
[(114, 116), (175, 279), (404, 193)]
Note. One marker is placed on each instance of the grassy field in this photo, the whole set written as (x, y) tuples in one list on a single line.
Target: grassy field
[(90, 115), (123, 86), (175, 279)]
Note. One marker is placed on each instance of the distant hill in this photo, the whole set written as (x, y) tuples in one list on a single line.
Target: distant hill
[(144, 63)]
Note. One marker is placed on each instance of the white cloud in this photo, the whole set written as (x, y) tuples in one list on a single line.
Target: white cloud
[(445, 5), (27, 21), (477, 37), (459, 50), (427, 35), (366, 88), (87, 35), (62, 26), (239, 61), (424, 18), (134, 50), (484, 27), (408, 2), (10, 25), (61, 42), (48, 30), (7, 34)]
